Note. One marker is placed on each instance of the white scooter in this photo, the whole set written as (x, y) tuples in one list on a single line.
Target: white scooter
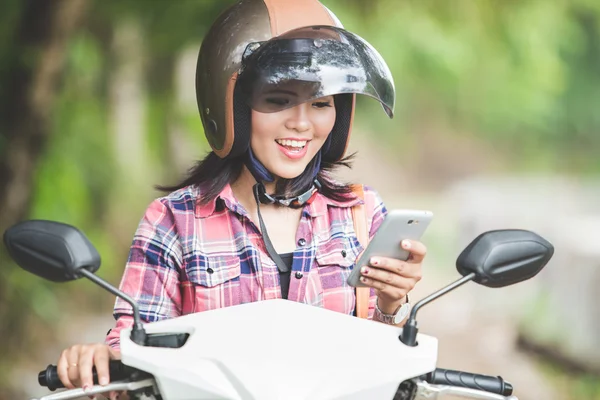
[(239, 352)]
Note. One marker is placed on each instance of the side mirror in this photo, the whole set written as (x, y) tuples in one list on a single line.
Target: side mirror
[(494, 259), (60, 253), (504, 257), (51, 250)]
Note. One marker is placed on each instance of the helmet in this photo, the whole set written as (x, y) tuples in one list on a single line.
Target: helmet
[(256, 45)]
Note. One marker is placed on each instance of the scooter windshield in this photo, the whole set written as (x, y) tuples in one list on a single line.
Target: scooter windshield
[(313, 62)]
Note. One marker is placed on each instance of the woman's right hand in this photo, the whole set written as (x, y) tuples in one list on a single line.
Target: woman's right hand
[(75, 365)]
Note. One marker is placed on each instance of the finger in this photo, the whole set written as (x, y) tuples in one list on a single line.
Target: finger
[(73, 365), (114, 354), (391, 284), (404, 269), (382, 287), (86, 363), (417, 250), (62, 368), (101, 357), (383, 276), (386, 263)]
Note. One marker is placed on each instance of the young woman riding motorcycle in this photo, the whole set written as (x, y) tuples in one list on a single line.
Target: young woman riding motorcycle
[(261, 217)]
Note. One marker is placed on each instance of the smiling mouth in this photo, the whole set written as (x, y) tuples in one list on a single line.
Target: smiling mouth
[(292, 145)]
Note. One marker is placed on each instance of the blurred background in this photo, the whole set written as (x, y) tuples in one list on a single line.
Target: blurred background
[(497, 126)]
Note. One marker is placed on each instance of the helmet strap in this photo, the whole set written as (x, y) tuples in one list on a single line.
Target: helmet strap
[(261, 196), (258, 171), (262, 174), (299, 201), (281, 266)]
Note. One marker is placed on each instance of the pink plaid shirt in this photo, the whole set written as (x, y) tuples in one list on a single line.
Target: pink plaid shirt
[(188, 258)]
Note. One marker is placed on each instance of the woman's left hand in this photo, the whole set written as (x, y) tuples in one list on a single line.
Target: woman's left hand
[(392, 278)]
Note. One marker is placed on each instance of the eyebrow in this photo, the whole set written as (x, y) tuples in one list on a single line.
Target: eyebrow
[(282, 91)]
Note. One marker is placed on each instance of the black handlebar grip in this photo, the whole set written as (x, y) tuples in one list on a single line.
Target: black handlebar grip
[(49, 377), (491, 384)]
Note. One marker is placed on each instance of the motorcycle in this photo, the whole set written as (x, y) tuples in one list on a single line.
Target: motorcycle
[(237, 352)]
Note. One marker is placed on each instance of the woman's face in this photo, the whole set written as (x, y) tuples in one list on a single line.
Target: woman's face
[(286, 141)]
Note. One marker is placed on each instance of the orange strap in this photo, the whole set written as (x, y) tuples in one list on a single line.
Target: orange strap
[(360, 227)]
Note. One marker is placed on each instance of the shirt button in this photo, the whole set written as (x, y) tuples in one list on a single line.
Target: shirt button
[(301, 242), (210, 270), (343, 253), (299, 275)]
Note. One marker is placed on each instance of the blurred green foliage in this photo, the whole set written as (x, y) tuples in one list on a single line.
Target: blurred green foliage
[(522, 75)]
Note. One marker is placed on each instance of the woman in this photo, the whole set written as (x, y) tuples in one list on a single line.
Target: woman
[(260, 217)]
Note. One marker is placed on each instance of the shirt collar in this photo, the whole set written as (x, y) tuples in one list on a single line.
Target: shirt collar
[(316, 208), (319, 205), (226, 196)]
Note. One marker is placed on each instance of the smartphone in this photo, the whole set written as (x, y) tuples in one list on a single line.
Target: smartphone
[(397, 226)]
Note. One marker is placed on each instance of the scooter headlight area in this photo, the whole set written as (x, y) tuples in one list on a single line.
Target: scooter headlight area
[(239, 352)]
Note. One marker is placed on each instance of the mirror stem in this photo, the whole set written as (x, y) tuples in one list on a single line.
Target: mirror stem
[(138, 334), (410, 330)]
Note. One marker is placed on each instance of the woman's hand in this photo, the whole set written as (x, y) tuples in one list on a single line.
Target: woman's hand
[(393, 279), (75, 364)]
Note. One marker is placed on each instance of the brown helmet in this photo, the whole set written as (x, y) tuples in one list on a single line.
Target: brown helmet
[(252, 30)]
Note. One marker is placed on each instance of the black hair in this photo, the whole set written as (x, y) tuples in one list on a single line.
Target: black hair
[(213, 173)]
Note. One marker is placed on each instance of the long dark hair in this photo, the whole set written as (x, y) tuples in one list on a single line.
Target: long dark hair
[(213, 173)]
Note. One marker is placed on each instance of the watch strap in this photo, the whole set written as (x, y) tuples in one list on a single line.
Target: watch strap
[(390, 318)]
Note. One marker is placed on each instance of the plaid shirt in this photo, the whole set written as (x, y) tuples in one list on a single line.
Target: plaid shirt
[(188, 258)]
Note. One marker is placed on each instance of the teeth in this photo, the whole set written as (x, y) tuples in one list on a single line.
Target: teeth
[(292, 143)]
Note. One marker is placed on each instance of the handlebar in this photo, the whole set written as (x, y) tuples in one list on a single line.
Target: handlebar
[(486, 383), (117, 371), (144, 385)]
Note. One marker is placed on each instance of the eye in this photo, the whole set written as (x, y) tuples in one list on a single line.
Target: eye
[(321, 104), (278, 101)]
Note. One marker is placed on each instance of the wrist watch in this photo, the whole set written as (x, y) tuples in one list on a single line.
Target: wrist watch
[(393, 319)]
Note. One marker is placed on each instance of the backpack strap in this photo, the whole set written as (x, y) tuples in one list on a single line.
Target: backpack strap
[(359, 218)]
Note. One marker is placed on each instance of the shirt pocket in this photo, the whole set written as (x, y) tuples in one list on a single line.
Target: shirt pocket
[(212, 282), (335, 260)]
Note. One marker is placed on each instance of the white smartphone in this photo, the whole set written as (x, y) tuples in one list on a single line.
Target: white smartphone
[(397, 226)]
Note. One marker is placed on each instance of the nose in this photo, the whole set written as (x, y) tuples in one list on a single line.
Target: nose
[(298, 118)]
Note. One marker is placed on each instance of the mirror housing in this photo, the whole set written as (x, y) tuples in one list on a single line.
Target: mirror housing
[(60, 252), (504, 257), (51, 250), (494, 259)]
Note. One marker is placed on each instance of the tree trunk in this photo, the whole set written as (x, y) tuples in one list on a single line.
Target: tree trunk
[(127, 101), (29, 89), (44, 31)]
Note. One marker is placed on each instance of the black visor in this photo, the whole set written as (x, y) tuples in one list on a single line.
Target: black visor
[(313, 62)]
